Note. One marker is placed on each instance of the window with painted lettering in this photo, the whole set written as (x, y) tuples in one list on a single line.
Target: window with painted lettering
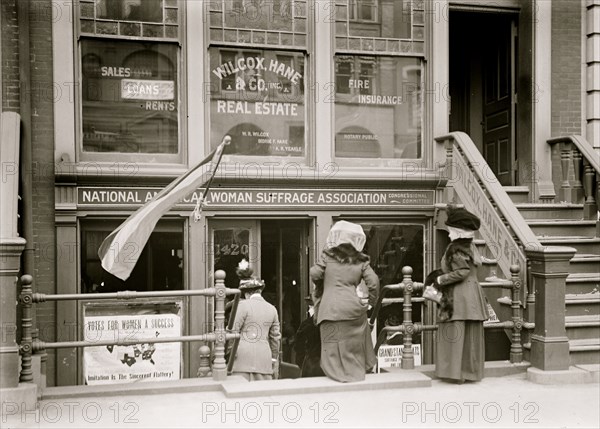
[(257, 97), (159, 267), (129, 94), (378, 107)]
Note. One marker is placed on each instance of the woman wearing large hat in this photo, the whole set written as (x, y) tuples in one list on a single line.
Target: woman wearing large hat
[(258, 350), (460, 337), (346, 346)]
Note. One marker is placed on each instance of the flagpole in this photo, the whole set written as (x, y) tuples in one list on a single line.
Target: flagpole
[(226, 141)]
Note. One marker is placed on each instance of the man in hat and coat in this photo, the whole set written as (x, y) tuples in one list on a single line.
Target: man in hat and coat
[(460, 337), (257, 356)]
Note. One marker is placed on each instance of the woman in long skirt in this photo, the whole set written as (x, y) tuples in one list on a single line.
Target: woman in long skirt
[(460, 342), (340, 309)]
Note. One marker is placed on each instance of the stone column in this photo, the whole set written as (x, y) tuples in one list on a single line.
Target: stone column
[(549, 342)]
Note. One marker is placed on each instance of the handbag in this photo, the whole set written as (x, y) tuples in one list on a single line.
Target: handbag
[(432, 294)]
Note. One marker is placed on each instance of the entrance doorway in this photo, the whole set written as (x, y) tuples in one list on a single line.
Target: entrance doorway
[(277, 250), (483, 52)]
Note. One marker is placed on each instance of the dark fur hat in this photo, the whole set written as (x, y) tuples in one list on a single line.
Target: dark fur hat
[(463, 219)]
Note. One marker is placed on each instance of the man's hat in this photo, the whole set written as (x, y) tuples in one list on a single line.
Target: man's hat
[(463, 219)]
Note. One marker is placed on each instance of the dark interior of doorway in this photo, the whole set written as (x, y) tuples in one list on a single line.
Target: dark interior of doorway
[(483, 69), (285, 272)]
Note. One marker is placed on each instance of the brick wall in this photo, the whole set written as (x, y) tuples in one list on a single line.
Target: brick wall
[(42, 137), (566, 67), (38, 126), (10, 56)]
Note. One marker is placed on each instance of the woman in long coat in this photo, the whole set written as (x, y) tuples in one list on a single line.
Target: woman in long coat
[(341, 314), (258, 350), (460, 337)]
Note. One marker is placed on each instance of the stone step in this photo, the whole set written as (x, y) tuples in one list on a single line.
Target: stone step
[(551, 211), (585, 304), (581, 244), (583, 327), (585, 263), (562, 227), (583, 283), (518, 194), (586, 351)]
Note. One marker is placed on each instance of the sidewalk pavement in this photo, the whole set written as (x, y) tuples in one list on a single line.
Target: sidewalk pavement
[(495, 402)]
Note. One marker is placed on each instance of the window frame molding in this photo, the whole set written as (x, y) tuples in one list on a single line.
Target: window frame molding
[(110, 164)]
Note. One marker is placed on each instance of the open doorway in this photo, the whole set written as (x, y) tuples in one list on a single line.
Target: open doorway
[(483, 52), (284, 269), (277, 250)]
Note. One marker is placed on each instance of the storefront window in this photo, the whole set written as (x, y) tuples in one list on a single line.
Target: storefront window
[(378, 107), (257, 97), (129, 96), (159, 267), (390, 248)]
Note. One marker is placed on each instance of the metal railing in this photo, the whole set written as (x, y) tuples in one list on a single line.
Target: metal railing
[(408, 328), (32, 345)]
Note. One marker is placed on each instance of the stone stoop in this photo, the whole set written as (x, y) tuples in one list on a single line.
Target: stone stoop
[(239, 387), (395, 380)]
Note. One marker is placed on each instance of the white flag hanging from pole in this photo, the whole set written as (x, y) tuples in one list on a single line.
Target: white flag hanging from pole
[(120, 251)]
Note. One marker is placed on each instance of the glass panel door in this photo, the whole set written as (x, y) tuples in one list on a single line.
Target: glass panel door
[(230, 242)]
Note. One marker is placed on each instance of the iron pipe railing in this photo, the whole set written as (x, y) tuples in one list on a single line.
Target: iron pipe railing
[(31, 344), (408, 328)]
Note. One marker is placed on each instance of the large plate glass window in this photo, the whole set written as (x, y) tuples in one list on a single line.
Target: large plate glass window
[(129, 96), (129, 73), (257, 97), (378, 107), (379, 51), (159, 267), (390, 247)]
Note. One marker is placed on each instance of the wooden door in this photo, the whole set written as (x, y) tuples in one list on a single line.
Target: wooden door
[(498, 101)]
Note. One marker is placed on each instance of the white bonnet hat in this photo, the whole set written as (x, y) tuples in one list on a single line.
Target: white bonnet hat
[(346, 232)]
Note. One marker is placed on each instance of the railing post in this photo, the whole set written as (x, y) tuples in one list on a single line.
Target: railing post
[(408, 358), (219, 366), (590, 205), (204, 368), (577, 172), (566, 153), (549, 342), (26, 300), (449, 169), (516, 348)]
